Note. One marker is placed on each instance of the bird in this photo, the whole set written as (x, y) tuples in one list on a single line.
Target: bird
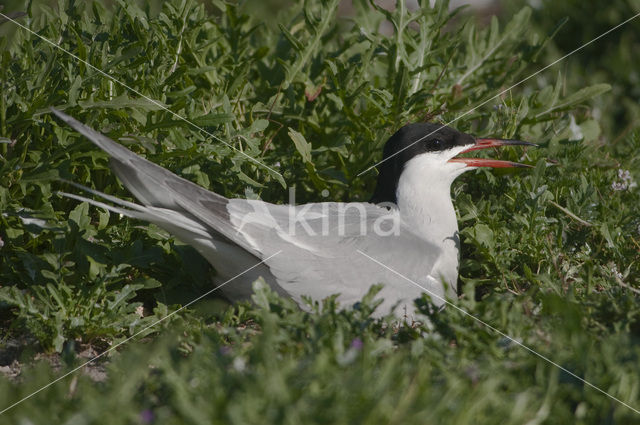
[(407, 232)]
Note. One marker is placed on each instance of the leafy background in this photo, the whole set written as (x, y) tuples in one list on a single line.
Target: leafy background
[(550, 256)]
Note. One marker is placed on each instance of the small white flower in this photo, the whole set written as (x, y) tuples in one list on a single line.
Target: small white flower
[(617, 186), (625, 175), (239, 364), (615, 272), (139, 311), (576, 131), (626, 181)]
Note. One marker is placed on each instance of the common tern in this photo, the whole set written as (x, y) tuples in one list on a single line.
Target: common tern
[(320, 249)]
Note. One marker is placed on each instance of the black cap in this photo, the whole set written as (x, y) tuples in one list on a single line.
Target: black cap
[(408, 142)]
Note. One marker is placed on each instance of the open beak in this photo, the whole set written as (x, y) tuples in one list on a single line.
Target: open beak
[(494, 163)]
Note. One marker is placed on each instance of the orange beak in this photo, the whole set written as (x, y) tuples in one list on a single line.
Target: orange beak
[(494, 163)]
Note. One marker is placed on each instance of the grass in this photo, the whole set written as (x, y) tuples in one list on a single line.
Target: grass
[(550, 256)]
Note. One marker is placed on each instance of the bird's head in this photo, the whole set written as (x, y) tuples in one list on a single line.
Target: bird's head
[(433, 148)]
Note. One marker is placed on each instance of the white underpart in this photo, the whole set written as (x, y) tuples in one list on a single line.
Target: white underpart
[(424, 201)]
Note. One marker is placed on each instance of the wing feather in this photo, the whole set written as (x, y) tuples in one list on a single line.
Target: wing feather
[(320, 246)]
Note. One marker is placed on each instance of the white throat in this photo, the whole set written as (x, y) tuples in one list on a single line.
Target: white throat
[(424, 197)]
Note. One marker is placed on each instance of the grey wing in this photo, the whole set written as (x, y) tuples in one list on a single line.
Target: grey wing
[(336, 248)]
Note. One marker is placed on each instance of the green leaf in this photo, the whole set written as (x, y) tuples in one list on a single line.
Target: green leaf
[(122, 101), (303, 147), (295, 43), (245, 178), (213, 119), (483, 235), (585, 94), (577, 98), (80, 215)]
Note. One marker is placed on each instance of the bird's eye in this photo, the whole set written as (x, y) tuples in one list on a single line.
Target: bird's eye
[(437, 144)]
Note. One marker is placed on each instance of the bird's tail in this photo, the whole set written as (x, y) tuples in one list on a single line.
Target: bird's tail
[(159, 190), (178, 223)]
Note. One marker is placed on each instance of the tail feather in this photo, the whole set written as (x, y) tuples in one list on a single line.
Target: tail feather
[(114, 199), (157, 187), (138, 174), (182, 226)]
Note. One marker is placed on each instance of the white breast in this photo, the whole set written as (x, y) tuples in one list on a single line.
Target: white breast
[(424, 201)]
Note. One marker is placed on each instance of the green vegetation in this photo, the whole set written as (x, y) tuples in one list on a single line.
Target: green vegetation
[(550, 255)]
